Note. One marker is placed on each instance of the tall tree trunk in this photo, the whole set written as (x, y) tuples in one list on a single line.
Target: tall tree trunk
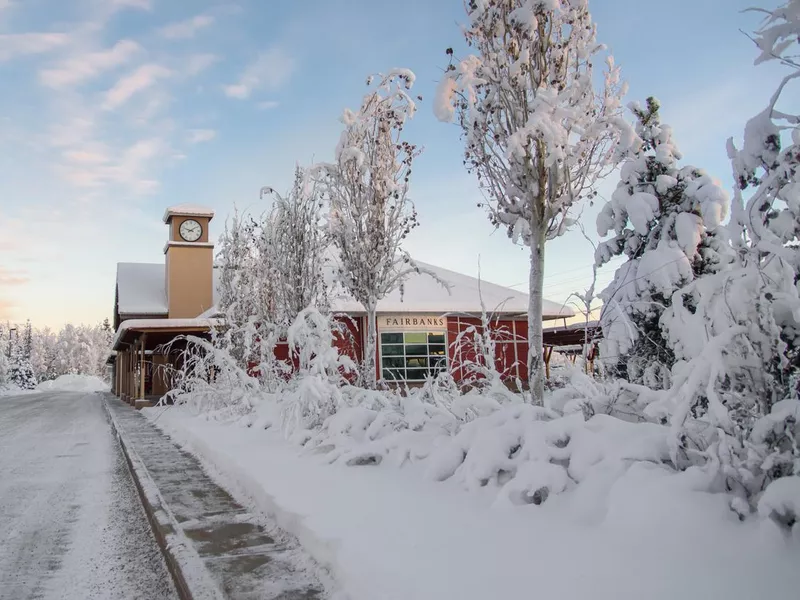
[(535, 339), (370, 377)]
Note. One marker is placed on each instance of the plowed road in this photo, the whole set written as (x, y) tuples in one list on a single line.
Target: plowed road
[(71, 525)]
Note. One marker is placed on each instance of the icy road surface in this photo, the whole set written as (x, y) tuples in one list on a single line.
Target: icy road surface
[(71, 524)]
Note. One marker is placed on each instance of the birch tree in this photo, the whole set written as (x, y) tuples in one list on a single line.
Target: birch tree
[(240, 294), (367, 188), (536, 133), (300, 241)]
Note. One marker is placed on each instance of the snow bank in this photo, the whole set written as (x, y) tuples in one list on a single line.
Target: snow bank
[(632, 529), (73, 383), (10, 389)]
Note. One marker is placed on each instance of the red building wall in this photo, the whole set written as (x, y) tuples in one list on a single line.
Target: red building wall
[(347, 340), (510, 336), (511, 346)]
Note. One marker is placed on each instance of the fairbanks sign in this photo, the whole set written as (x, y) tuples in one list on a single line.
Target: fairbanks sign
[(412, 322)]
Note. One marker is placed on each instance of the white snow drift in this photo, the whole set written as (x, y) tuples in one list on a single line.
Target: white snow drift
[(73, 383)]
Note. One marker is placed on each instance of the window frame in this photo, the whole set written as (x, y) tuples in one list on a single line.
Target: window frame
[(405, 356)]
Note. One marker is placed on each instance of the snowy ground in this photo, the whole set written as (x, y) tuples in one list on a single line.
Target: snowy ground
[(71, 521), (388, 534)]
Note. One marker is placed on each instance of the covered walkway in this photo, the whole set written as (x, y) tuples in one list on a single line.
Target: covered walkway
[(146, 354)]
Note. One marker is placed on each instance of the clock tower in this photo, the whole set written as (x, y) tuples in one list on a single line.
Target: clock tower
[(189, 258)]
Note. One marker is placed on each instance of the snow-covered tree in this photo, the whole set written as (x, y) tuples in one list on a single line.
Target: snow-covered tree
[(43, 354), (734, 402), (536, 132), (240, 288), (5, 354), (765, 169), (300, 244), (660, 215), (21, 372), (367, 189)]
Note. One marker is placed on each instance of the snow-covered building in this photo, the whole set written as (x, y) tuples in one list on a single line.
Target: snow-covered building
[(418, 328)]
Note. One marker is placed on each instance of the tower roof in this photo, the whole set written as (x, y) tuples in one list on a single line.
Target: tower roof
[(188, 210)]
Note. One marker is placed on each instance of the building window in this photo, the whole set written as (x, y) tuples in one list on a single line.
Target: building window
[(412, 355)]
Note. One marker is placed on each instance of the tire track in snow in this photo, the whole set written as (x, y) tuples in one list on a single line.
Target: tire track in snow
[(71, 525)]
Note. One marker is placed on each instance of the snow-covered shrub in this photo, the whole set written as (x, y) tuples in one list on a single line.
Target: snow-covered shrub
[(314, 392), (592, 395), (731, 326), (780, 502), (210, 380)]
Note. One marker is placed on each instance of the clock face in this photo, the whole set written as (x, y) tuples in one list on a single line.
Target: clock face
[(191, 230)]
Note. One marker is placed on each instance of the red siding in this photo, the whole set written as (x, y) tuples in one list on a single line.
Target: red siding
[(511, 349)]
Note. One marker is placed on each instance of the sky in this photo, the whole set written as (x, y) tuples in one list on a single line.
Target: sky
[(113, 110)]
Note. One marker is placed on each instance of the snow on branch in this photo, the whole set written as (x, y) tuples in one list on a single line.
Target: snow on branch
[(367, 188)]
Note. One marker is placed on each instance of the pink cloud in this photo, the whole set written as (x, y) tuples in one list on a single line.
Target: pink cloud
[(13, 45), (139, 80), (83, 67), (186, 29)]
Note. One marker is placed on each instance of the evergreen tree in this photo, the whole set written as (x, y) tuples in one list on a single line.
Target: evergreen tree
[(663, 217), (21, 372), (27, 340), (5, 354)]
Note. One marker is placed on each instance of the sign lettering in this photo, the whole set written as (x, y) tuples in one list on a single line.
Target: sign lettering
[(405, 322)]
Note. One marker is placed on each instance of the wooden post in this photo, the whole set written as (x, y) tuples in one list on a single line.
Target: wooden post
[(141, 367), (126, 384), (123, 373), (131, 374), (548, 352)]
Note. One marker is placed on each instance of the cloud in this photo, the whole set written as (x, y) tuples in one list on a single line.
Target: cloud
[(139, 80), (269, 71), (197, 136), (141, 4), (7, 309), (13, 45), (83, 67), (268, 104), (128, 167), (86, 157), (186, 29), (197, 63), (9, 277)]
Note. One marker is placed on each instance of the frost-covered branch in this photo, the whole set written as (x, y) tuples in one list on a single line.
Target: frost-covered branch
[(367, 187), (536, 133)]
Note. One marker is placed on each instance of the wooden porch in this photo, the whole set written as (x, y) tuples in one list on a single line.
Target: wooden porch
[(147, 353)]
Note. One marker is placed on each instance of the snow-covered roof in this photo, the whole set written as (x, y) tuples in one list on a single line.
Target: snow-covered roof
[(142, 289), (188, 210), (161, 324), (424, 294), (142, 292), (580, 325)]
